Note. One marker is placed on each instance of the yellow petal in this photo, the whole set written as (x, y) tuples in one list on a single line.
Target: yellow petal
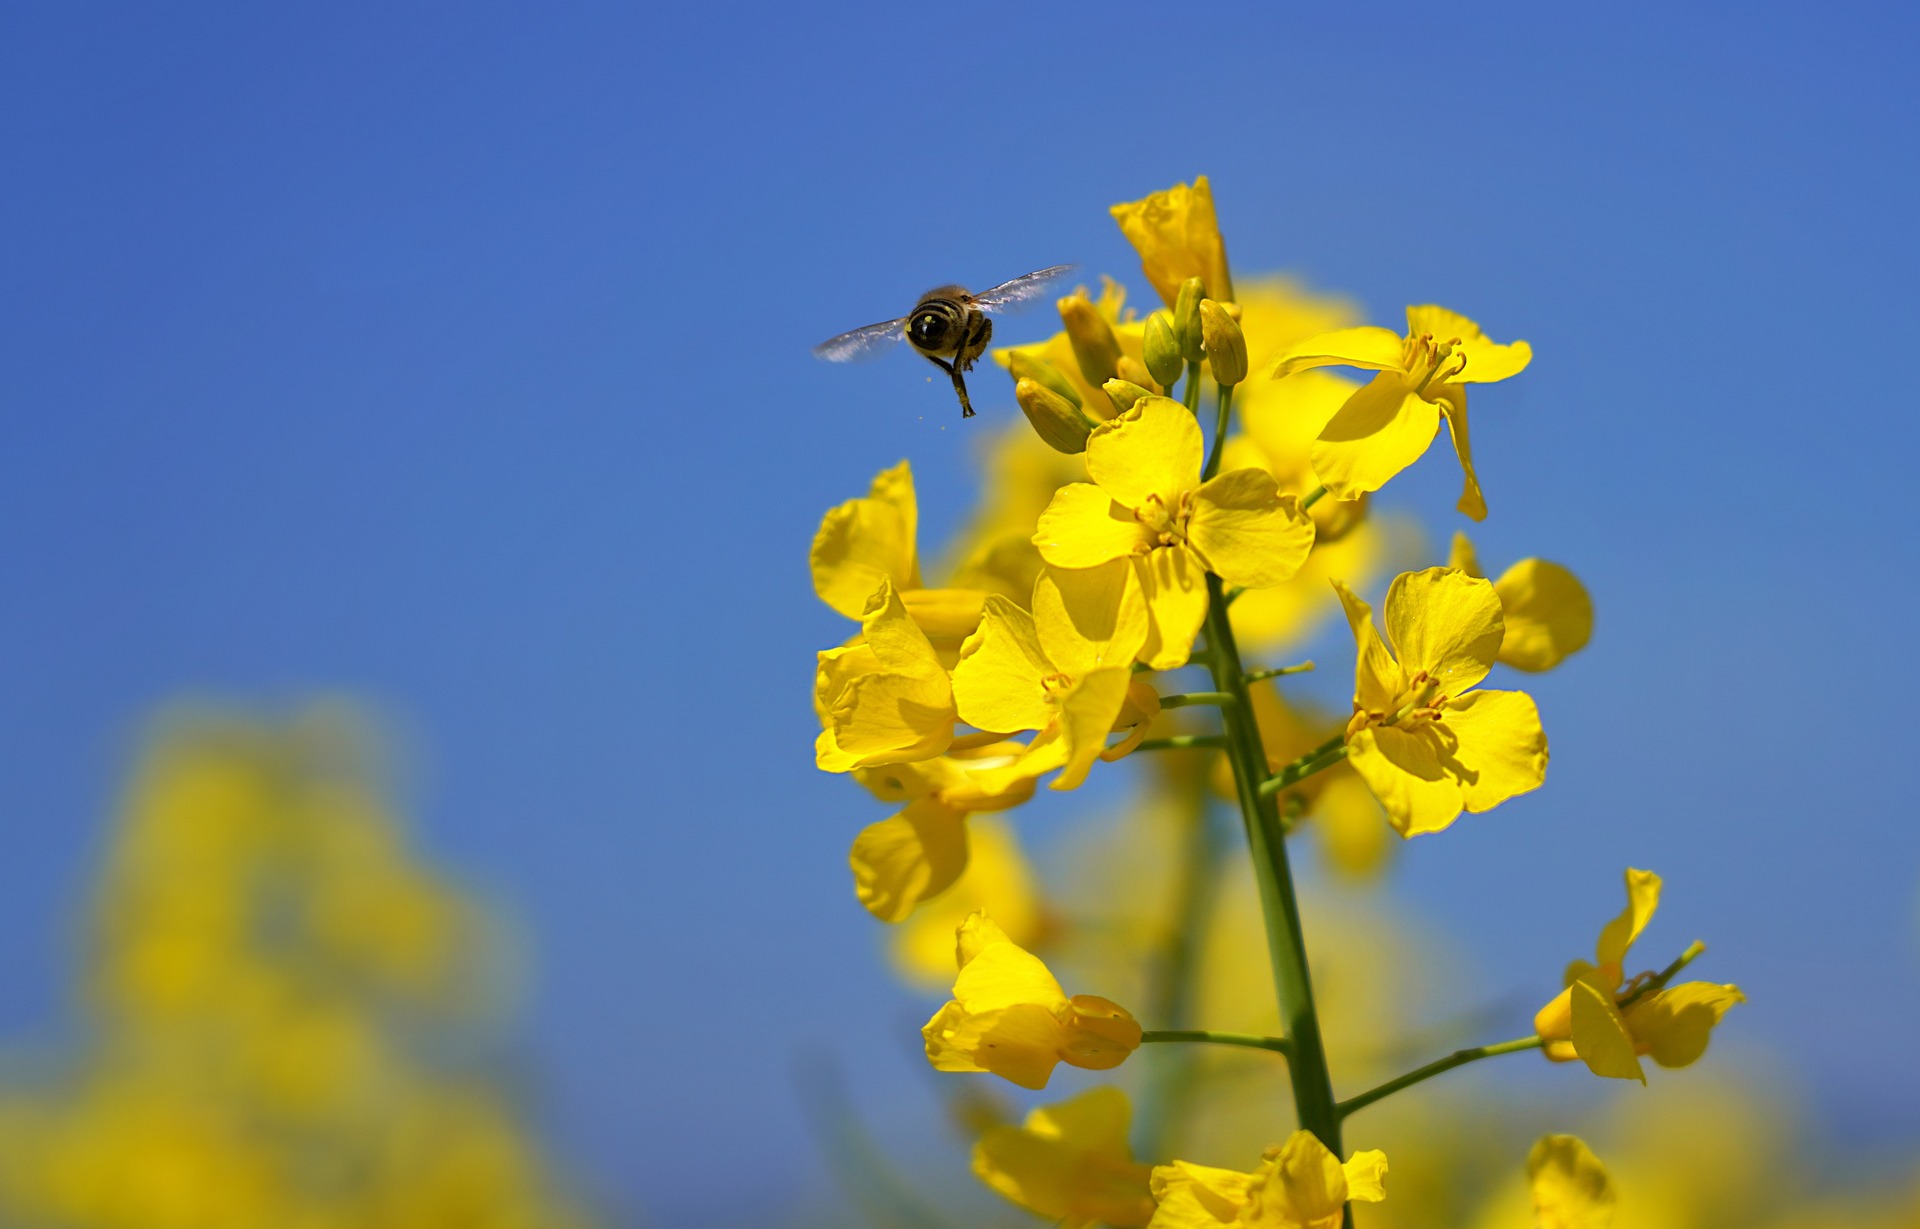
[(1672, 1025), (1178, 237), (1197, 1196), (1571, 1189), (997, 878), (1380, 431), (908, 857), (1368, 347), (1500, 749), (1281, 418), (1303, 1185), (1600, 1035), (1366, 1176), (998, 683), (1453, 404), (1643, 898), (1020, 1043), (865, 541), (1273, 621), (1487, 361), (1087, 713), (1249, 533), (1175, 588), (1087, 618), (1101, 1033), (1001, 974), (1445, 623), (1083, 527), (1463, 558), (1548, 614), (1406, 773), (1377, 679), (888, 699), (1152, 451), (1069, 1163), (947, 616)]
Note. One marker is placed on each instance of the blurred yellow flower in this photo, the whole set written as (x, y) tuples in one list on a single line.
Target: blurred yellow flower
[(998, 880), (1387, 425), (1547, 611), (1147, 503), (1425, 744), (1178, 237), (1069, 1162), (1608, 1022), (1298, 1185), (885, 699), (1010, 1017), (1065, 671), (1571, 1189), (1353, 838)]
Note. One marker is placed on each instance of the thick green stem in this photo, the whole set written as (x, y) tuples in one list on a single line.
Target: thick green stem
[(1459, 1058), (1312, 1083), (1252, 1041)]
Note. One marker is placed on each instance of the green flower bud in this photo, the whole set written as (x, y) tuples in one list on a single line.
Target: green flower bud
[(1226, 345), (1055, 419), (1095, 347), (1163, 350), (1186, 320), (1041, 371), (1124, 393)]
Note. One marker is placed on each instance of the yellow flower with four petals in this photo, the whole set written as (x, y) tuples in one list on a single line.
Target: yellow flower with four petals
[(1608, 1021), (1387, 425), (1425, 743), (1147, 503)]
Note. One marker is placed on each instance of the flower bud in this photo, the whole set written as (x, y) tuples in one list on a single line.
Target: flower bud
[(1124, 393), (1041, 371), (1095, 347), (1186, 320), (1163, 350), (1225, 344), (1133, 371), (1055, 419)]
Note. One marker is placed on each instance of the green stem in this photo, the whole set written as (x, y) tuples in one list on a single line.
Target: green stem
[(1233, 594), (1312, 1083), (1312, 497), (1659, 980), (1459, 1058), (1274, 672), (1193, 389), (1219, 432), (1181, 742), (1219, 699), (1252, 1041), (1325, 756)]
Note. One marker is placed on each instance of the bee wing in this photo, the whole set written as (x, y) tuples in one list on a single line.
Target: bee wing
[(863, 342), (1020, 289)]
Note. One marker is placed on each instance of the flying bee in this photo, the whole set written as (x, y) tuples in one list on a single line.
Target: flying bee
[(948, 326)]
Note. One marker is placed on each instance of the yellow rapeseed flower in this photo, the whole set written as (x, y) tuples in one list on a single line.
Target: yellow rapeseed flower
[(885, 699), (1571, 1188), (1010, 1017), (1178, 237), (1547, 611), (1608, 1022), (1070, 1163), (1058, 360), (1387, 425), (1146, 502), (1064, 671), (864, 542), (1298, 1185), (1425, 744)]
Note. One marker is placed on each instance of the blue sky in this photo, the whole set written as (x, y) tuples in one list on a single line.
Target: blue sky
[(456, 359)]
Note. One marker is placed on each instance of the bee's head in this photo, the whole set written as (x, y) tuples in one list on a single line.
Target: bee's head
[(933, 329)]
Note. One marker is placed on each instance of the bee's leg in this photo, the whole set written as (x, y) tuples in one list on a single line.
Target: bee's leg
[(979, 333), (959, 385)]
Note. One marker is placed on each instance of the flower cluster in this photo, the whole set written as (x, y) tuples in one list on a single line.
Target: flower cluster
[(1197, 485)]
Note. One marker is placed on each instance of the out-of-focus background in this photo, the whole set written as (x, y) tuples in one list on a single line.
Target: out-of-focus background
[(447, 367)]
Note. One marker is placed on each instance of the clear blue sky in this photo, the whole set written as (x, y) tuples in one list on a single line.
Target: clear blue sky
[(456, 358)]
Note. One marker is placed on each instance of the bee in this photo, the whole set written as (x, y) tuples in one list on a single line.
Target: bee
[(948, 326)]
